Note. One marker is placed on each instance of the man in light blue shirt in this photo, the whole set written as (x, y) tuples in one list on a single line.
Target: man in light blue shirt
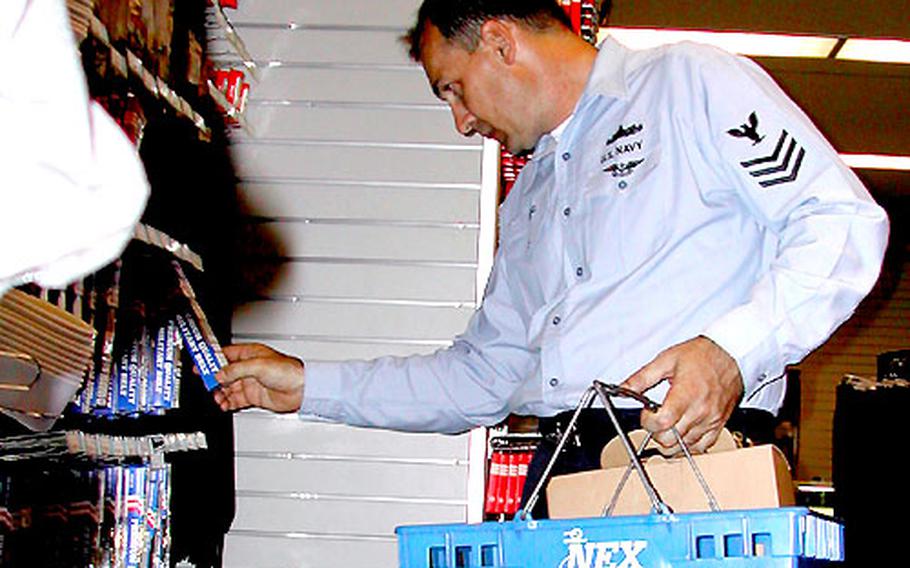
[(682, 229)]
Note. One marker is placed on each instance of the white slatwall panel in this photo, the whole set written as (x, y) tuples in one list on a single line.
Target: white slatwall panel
[(881, 323), (324, 319), (354, 162), (308, 201), (326, 121), (361, 240), (384, 241), (393, 14), (334, 350), (362, 281), (361, 83), (339, 46)]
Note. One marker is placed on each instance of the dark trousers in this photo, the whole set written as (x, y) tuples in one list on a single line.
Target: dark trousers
[(594, 430)]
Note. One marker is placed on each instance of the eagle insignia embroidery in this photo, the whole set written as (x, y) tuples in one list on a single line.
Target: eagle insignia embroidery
[(781, 166), (748, 130)]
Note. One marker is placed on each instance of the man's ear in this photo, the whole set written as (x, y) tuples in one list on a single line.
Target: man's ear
[(499, 37)]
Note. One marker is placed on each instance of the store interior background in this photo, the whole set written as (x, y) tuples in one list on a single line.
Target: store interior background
[(367, 229)]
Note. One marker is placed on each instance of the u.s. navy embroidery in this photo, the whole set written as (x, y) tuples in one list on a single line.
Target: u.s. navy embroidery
[(748, 130), (624, 131), (623, 169), (622, 154)]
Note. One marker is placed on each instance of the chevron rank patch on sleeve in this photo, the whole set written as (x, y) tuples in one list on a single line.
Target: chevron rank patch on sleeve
[(781, 166)]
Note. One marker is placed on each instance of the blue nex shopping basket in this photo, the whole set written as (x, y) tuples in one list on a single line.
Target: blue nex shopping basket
[(790, 536)]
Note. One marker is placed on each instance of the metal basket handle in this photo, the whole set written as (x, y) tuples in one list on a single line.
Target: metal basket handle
[(606, 392)]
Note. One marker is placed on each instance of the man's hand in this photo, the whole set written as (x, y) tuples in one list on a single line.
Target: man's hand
[(259, 376), (705, 387)]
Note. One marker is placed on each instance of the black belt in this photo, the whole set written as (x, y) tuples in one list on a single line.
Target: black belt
[(593, 429)]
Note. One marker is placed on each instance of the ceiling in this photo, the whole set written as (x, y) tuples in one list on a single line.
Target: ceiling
[(861, 107)]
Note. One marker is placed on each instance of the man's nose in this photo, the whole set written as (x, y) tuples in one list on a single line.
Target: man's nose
[(465, 122)]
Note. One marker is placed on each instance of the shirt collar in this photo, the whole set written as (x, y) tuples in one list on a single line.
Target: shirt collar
[(608, 77), (556, 133), (548, 141)]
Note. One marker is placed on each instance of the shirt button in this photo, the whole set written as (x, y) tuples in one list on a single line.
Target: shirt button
[(763, 376), (566, 156), (554, 382), (623, 185), (556, 320), (579, 272), (567, 211)]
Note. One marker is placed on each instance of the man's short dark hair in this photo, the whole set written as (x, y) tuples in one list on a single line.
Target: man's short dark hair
[(460, 20)]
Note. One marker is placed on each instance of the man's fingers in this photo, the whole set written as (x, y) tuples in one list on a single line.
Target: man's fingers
[(260, 376), (226, 401), (698, 434), (245, 368), (661, 423), (242, 351), (647, 376), (670, 414), (237, 395), (704, 443)]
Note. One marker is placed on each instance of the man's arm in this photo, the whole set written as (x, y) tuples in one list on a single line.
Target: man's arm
[(829, 237), (451, 390)]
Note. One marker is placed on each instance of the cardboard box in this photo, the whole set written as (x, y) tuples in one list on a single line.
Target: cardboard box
[(747, 478)]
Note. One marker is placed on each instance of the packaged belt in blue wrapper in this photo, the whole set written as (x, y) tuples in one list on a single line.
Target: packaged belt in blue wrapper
[(197, 335)]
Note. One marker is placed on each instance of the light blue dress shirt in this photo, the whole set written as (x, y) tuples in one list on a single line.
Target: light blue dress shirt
[(686, 196)]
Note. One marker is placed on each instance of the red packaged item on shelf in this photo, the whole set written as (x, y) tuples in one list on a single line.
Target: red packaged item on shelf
[(575, 15), (242, 97), (524, 459), (511, 504), (493, 482), (235, 82), (220, 79), (134, 120)]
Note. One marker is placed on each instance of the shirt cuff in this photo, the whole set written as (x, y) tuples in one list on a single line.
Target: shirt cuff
[(322, 391), (743, 334)]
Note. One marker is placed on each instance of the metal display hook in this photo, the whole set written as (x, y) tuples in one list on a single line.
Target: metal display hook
[(606, 392)]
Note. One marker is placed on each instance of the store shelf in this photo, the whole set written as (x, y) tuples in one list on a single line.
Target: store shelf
[(127, 63), (154, 237), (225, 40)]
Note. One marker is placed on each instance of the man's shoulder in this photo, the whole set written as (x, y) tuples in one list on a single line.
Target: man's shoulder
[(688, 54)]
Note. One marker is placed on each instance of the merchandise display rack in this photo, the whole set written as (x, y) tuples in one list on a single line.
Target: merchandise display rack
[(227, 48), (128, 63), (222, 30), (152, 236), (151, 485)]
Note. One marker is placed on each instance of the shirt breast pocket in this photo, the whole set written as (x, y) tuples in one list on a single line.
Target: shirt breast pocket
[(625, 172), (633, 207)]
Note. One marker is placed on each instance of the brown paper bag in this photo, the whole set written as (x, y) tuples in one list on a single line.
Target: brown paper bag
[(747, 478)]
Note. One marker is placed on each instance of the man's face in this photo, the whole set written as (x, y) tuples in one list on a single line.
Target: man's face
[(479, 89)]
